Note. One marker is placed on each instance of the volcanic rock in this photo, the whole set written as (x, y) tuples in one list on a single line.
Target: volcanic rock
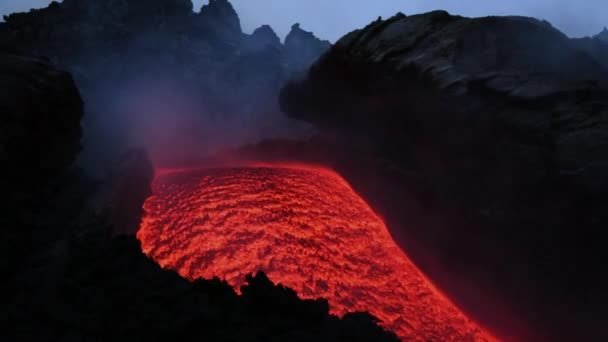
[(108, 282), (220, 16), (130, 187), (596, 46), (39, 141), (264, 37), (303, 48), (40, 125), (603, 36), (495, 127)]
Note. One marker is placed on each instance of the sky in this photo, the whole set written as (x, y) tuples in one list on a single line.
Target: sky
[(330, 19)]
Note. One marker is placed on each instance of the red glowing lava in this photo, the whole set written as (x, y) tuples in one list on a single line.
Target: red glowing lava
[(307, 229)]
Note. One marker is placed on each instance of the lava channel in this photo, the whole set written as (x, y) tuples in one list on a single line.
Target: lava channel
[(306, 228)]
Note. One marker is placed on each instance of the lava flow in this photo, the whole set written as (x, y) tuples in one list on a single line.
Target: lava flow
[(307, 229)]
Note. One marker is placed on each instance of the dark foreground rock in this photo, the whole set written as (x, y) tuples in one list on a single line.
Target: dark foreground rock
[(40, 112), (131, 185), (489, 138), (40, 124), (107, 290)]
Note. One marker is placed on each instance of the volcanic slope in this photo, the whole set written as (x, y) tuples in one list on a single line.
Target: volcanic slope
[(307, 229)]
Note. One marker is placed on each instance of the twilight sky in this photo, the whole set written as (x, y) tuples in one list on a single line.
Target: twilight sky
[(330, 19)]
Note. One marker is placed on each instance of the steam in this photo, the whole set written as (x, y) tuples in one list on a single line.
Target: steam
[(176, 120)]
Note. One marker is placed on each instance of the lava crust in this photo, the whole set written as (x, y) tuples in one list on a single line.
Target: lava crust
[(307, 229)]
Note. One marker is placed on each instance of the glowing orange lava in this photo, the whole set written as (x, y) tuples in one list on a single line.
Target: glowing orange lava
[(307, 229)]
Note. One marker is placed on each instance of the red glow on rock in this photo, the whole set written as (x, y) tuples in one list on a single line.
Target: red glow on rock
[(307, 229)]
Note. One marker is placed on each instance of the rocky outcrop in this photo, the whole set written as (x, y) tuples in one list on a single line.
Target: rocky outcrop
[(603, 36), (496, 130), (104, 281), (596, 46), (109, 283), (129, 186), (40, 125), (220, 17), (39, 141), (303, 48), (264, 37)]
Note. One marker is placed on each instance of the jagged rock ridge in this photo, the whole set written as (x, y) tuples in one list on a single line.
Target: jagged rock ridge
[(303, 47)]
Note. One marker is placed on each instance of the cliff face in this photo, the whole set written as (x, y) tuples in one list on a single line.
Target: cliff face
[(40, 125), (145, 64), (498, 128), (39, 141)]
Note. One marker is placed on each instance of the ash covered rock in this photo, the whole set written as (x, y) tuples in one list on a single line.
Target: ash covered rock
[(40, 124), (495, 127)]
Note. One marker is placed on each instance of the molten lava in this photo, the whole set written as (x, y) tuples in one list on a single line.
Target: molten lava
[(307, 229)]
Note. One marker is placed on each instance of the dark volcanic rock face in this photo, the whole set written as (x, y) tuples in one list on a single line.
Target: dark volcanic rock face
[(596, 46), (39, 140), (131, 185), (497, 128), (40, 135), (146, 69), (40, 125)]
